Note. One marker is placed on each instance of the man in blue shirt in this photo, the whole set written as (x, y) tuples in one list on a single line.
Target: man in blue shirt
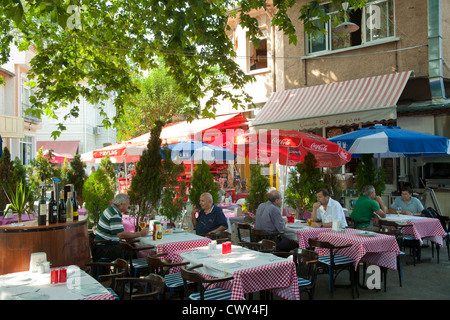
[(210, 218), (406, 204)]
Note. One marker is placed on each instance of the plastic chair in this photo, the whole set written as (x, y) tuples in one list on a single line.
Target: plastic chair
[(203, 290), (152, 287), (336, 263), (173, 281)]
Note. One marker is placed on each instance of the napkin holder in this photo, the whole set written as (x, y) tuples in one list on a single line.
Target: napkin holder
[(36, 260), (238, 211), (338, 226)]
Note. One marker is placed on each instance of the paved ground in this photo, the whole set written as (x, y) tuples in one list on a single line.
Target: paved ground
[(427, 280)]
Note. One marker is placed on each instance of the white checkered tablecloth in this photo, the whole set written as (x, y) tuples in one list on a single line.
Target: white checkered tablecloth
[(255, 271), (422, 227), (381, 249)]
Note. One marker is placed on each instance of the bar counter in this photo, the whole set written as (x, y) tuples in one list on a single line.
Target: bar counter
[(65, 244)]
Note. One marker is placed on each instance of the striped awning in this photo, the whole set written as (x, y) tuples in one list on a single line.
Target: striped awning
[(333, 105)]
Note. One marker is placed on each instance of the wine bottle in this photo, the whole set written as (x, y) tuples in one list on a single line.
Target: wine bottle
[(75, 206), (69, 208), (61, 208), (52, 209), (42, 210)]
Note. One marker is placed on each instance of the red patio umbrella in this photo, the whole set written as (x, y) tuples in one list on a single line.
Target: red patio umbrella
[(289, 147)]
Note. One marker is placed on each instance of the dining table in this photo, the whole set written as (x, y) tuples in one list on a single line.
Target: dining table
[(421, 227), (172, 241), (300, 232), (371, 247), (252, 271), (28, 285)]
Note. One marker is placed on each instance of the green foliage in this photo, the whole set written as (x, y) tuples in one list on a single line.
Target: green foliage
[(367, 174), (147, 185), (77, 176), (333, 184), (257, 190), (6, 176), (304, 181), (103, 43), (202, 181), (19, 200), (98, 194), (172, 199), (108, 166), (159, 98), (40, 171)]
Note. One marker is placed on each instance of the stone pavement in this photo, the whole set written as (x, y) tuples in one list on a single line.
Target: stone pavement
[(427, 280)]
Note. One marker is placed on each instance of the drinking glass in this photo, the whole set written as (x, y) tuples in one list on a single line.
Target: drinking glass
[(310, 222)]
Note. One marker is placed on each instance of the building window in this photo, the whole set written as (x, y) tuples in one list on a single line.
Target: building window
[(375, 21), (27, 92), (257, 57), (26, 150)]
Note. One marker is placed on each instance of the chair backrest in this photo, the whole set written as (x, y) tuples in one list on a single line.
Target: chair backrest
[(241, 227), (350, 222), (326, 245), (202, 284), (306, 261), (152, 285), (259, 235), (268, 245)]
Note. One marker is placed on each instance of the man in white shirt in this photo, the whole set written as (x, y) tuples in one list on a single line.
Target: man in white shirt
[(326, 210)]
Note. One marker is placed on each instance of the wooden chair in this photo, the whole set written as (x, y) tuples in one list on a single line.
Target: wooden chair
[(137, 265), (400, 258), (406, 239), (264, 246), (258, 235), (173, 281), (335, 263), (220, 237), (92, 244), (151, 285), (244, 227), (117, 269), (350, 222), (203, 291), (306, 261)]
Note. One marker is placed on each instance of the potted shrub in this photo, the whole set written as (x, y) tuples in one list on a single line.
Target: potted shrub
[(174, 189), (98, 194), (368, 174), (257, 192), (202, 181), (19, 200), (304, 181)]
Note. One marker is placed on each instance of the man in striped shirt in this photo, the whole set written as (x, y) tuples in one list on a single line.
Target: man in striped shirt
[(110, 227)]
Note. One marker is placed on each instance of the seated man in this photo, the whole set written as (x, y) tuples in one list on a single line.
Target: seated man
[(110, 227), (269, 219), (326, 210), (210, 218), (365, 207), (406, 204)]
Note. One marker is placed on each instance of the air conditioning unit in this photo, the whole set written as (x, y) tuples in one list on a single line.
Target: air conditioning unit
[(95, 130)]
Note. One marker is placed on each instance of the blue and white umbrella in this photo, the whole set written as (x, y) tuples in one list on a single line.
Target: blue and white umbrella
[(197, 151), (392, 142)]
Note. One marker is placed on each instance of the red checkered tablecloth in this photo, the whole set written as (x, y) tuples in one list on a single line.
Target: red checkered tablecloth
[(429, 229), (381, 249), (277, 277), (303, 236), (107, 296)]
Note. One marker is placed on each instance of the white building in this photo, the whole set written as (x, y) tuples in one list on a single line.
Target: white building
[(21, 133)]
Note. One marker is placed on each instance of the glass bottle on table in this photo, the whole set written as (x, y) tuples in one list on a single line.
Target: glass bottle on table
[(42, 210), (75, 206), (69, 208), (52, 209), (61, 208)]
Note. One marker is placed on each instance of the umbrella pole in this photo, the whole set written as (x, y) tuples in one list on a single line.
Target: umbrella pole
[(285, 181), (126, 175)]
